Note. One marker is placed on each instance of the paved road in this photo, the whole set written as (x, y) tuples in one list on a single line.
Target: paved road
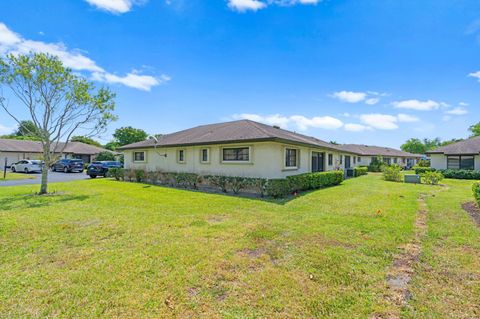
[(52, 178)]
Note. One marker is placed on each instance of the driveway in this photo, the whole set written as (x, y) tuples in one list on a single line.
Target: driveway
[(53, 177)]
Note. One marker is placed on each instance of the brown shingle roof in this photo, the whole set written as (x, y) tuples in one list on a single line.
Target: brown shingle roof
[(466, 147), (368, 150), (23, 146), (230, 132)]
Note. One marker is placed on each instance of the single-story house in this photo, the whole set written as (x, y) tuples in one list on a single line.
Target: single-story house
[(240, 148), (368, 153), (460, 155), (16, 150)]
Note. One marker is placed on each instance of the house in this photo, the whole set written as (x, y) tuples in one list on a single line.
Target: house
[(460, 155), (16, 150), (239, 148), (368, 153)]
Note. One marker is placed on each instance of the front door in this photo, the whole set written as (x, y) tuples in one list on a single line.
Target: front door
[(347, 162), (318, 162)]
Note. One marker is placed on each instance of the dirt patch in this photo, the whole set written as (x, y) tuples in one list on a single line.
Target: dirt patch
[(401, 272), (472, 209)]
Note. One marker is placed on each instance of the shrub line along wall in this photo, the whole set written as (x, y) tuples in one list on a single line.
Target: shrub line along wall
[(450, 173), (276, 188)]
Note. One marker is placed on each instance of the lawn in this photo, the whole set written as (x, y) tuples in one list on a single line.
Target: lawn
[(14, 176), (101, 248)]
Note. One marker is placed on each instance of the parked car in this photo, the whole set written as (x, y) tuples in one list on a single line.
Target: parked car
[(100, 168), (68, 165), (27, 166)]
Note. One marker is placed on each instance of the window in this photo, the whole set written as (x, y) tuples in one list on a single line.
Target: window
[(341, 159), (181, 156), (238, 154), (354, 160), (373, 159), (330, 159), (359, 159), (461, 162), (395, 160), (387, 160), (204, 155), (290, 157), (139, 156)]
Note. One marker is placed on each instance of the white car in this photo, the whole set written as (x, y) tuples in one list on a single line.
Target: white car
[(27, 166)]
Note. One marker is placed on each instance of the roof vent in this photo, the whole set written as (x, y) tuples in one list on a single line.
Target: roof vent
[(276, 126)]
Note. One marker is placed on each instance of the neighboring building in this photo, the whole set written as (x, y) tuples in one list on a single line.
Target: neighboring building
[(16, 150), (389, 155), (239, 148), (460, 155)]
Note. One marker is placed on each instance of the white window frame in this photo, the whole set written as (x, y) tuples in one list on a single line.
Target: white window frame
[(144, 156), (297, 164), (184, 156), (208, 155), (250, 155)]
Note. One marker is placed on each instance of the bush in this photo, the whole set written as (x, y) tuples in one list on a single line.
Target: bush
[(392, 173), (360, 170), (186, 180), (301, 182), (117, 173), (237, 183), (376, 165), (218, 181), (140, 175), (105, 156), (432, 178), (129, 175), (423, 163), (278, 188), (421, 170), (258, 184), (307, 181), (460, 174), (476, 192)]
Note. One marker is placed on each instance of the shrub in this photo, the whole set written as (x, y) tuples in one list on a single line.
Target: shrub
[(376, 165), (421, 170), (130, 175), (423, 163), (278, 188), (301, 182), (140, 175), (218, 181), (237, 183), (360, 170), (460, 174), (392, 173), (105, 156), (186, 180), (476, 192), (432, 178), (117, 173), (325, 179), (258, 184)]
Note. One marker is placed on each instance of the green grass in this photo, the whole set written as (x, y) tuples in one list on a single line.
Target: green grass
[(15, 176), (124, 250)]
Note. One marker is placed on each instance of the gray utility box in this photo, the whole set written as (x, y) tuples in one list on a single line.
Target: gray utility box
[(413, 179)]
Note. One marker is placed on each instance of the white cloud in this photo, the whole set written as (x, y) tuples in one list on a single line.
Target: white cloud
[(298, 121), (349, 96), (372, 101), (407, 118), (457, 111), (4, 130), (475, 74), (254, 5), (417, 105), (11, 42), (113, 6), (463, 104), (380, 121), (357, 127)]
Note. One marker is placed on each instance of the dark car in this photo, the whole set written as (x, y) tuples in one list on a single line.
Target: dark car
[(100, 168), (68, 165)]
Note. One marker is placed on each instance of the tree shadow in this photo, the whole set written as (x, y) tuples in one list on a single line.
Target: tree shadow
[(24, 201)]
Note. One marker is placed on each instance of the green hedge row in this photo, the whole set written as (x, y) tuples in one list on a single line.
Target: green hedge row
[(460, 173), (476, 192), (284, 186), (421, 170), (360, 170)]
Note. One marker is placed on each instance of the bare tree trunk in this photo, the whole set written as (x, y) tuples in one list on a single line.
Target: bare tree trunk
[(46, 166)]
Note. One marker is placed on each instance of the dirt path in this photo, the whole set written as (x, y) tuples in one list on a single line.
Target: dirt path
[(401, 272)]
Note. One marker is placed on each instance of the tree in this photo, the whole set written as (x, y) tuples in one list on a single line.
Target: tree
[(414, 145), (431, 144), (105, 156), (475, 129), (27, 128), (129, 135), (58, 102), (85, 139)]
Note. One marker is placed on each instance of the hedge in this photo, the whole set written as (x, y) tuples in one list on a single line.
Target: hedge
[(460, 173), (476, 192), (392, 173), (278, 188), (421, 170), (360, 170), (307, 181), (432, 178)]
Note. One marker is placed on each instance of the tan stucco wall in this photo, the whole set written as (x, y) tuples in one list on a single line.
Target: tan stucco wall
[(266, 160)]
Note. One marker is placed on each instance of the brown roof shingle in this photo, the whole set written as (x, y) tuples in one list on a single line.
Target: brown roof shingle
[(368, 150), (470, 146), (25, 146)]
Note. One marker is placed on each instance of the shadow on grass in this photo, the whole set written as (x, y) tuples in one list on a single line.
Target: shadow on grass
[(24, 201)]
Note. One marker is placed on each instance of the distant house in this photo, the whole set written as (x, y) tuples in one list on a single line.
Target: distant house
[(239, 148), (389, 155), (16, 150), (460, 155)]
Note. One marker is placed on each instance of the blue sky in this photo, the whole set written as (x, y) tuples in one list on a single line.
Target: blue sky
[(374, 72)]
